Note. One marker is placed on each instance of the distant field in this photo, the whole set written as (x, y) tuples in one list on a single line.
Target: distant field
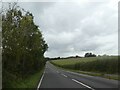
[(104, 64)]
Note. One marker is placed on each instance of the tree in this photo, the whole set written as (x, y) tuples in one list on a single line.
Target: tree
[(90, 55), (23, 44)]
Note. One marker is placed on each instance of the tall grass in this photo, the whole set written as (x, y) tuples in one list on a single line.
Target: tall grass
[(104, 64), (30, 82)]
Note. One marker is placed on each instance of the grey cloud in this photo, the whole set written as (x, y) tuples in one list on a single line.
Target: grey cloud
[(75, 28)]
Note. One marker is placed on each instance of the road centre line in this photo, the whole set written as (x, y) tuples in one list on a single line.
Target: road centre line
[(83, 84), (76, 73), (57, 72), (51, 68), (64, 75)]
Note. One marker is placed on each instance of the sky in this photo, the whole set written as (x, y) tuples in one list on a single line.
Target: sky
[(77, 27)]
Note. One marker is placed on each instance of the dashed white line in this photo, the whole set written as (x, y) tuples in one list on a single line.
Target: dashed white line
[(57, 72), (83, 84), (40, 81), (64, 75)]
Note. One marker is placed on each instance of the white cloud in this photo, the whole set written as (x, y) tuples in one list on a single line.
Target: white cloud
[(76, 28)]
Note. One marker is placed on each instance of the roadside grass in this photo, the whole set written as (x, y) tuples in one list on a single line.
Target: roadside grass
[(106, 66), (108, 76), (30, 82)]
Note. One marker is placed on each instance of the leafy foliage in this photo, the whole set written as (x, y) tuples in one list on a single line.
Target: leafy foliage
[(22, 42), (90, 55)]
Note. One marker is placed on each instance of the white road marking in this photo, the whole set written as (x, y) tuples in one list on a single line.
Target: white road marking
[(77, 73), (51, 69), (64, 75), (40, 81), (57, 72), (83, 84)]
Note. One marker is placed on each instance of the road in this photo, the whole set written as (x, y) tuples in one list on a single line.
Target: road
[(57, 78)]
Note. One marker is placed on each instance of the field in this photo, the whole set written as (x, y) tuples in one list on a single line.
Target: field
[(103, 64)]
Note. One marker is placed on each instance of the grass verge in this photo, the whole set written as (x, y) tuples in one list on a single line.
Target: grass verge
[(30, 82), (104, 75)]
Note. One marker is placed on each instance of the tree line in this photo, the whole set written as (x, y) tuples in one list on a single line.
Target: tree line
[(86, 55), (23, 45)]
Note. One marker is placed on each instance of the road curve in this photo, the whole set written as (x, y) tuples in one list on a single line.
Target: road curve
[(57, 78)]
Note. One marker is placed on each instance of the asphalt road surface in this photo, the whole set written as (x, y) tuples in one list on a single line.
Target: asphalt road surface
[(57, 78)]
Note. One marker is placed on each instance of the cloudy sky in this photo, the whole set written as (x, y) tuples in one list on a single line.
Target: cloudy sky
[(74, 28)]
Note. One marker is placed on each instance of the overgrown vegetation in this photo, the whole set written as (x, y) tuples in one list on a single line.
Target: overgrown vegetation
[(30, 81), (23, 45), (104, 64)]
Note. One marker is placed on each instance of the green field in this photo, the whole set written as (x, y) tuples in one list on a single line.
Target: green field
[(103, 64)]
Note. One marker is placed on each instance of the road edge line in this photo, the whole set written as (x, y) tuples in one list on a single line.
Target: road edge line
[(40, 81)]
